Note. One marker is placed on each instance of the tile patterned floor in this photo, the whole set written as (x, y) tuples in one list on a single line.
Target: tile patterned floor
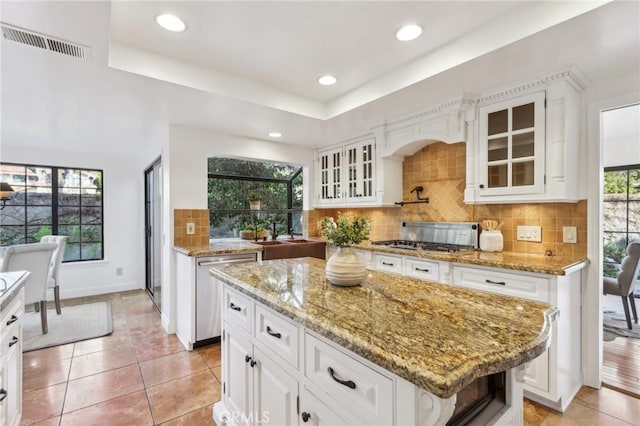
[(139, 375)]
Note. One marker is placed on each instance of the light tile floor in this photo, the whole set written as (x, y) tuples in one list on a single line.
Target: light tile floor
[(139, 375)]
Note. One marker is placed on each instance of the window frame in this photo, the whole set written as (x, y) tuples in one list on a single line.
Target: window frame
[(55, 225)]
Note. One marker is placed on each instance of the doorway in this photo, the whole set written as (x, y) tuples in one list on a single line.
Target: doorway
[(620, 200), (153, 231)]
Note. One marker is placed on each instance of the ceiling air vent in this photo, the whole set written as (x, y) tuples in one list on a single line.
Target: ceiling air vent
[(31, 38)]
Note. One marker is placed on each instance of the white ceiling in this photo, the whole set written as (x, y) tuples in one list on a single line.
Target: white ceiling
[(272, 53), (129, 90)]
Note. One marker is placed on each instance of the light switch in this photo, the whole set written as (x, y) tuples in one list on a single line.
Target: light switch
[(569, 234), (529, 233), (191, 228)]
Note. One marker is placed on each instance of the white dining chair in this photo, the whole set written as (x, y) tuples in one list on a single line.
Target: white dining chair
[(35, 258), (53, 280)]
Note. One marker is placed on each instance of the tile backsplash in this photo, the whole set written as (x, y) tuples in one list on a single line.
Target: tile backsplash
[(440, 169), (200, 219)]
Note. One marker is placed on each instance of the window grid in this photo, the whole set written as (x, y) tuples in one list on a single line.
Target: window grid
[(86, 245)]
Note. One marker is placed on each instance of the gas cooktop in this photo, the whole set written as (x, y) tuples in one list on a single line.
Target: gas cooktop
[(448, 237), (422, 245)]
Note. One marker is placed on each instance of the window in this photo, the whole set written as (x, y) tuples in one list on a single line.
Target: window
[(232, 182), (54, 201), (621, 224)]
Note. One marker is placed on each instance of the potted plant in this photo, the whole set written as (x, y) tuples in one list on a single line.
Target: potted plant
[(252, 232), (345, 267), (254, 201)]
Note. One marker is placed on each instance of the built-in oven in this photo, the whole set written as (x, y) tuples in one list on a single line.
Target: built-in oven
[(479, 401)]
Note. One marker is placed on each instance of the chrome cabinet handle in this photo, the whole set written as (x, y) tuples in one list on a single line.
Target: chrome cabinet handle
[(235, 307), (495, 282), (13, 341), (12, 320), (348, 383), (273, 333)]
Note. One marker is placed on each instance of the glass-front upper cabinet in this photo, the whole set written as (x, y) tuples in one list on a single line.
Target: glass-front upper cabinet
[(330, 176), (359, 158), (511, 142)]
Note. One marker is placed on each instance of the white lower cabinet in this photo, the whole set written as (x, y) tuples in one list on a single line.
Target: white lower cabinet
[(316, 413), (257, 390), (11, 362), (554, 378), (388, 263)]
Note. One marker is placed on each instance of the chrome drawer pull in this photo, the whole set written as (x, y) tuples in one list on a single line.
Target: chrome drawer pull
[(387, 264), (495, 282), (273, 333), (421, 270), (13, 341), (12, 319), (235, 307), (348, 383)]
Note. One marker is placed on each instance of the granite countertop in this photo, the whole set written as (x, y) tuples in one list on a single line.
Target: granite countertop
[(10, 285), (219, 246), (528, 262), (437, 336)]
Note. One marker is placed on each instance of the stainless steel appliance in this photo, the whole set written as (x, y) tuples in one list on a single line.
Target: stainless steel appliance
[(435, 236), (209, 296)]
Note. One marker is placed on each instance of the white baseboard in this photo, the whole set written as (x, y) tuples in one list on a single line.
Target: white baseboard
[(169, 326), (97, 290)]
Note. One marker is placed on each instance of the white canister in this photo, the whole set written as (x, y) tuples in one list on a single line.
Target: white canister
[(491, 240)]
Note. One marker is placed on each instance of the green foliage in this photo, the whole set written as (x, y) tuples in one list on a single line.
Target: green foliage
[(44, 230), (617, 182), (349, 229)]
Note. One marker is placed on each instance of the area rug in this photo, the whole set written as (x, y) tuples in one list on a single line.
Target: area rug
[(75, 323), (614, 325)]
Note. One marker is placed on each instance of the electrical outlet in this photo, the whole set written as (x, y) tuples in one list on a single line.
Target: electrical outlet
[(569, 234), (191, 228), (529, 233), (119, 271)]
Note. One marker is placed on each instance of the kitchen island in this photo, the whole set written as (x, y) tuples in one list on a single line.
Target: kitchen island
[(412, 344)]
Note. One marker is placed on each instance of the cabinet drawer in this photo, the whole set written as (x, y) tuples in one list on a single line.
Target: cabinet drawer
[(278, 334), (367, 393), (422, 269), (526, 287), (238, 309), (388, 263), (12, 316), (367, 256)]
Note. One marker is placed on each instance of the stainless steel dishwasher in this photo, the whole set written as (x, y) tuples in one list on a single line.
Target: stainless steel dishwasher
[(209, 295)]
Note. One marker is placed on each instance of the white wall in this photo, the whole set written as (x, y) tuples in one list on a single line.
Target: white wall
[(123, 219), (621, 136), (185, 176)]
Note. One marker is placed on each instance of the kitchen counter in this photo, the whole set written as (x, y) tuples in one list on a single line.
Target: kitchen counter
[(220, 246), (528, 262), (10, 285), (438, 337)]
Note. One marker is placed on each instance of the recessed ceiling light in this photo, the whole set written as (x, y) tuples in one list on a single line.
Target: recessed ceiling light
[(327, 80), (275, 134), (170, 22), (409, 32)]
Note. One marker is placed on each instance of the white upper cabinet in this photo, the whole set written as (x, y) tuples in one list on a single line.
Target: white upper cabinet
[(359, 161), (329, 183), (353, 174), (524, 146), (511, 146)]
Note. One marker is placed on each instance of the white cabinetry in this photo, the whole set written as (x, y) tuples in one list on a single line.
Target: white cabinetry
[(11, 362), (524, 144), (554, 378), (257, 383), (353, 174), (511, 146), (414, 267), (388, 263)]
